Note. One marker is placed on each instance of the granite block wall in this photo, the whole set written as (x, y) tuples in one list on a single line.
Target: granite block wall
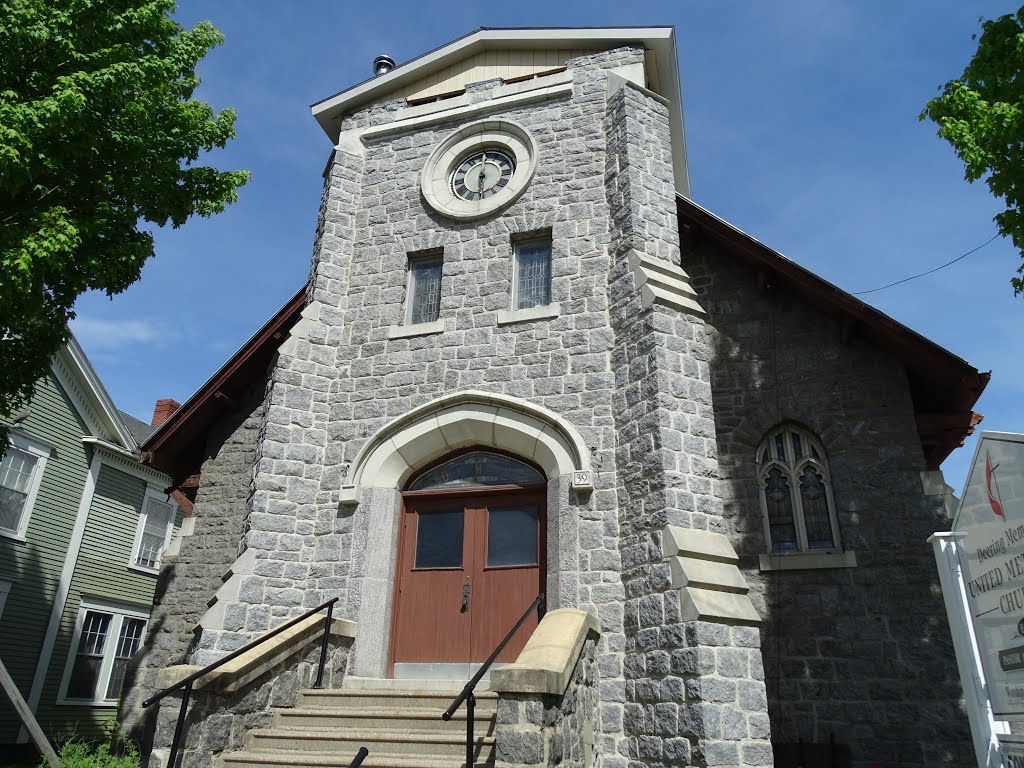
[(341, 378), (552, 730), (860, 655), (218, 722), (667, 463), (189, 580)]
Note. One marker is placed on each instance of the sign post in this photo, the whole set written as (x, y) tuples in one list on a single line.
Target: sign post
[(981, 567), (984, 727)]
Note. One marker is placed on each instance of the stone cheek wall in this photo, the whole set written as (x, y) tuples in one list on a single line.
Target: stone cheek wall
[(551, 730), (860, 653), (189, 580), (218, 722)]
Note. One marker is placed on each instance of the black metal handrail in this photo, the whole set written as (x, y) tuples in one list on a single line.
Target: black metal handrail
[(358, 759), (187, 682), (466, 695)]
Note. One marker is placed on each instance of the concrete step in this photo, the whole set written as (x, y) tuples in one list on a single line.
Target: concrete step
[(313, 760), (376, 718), (335, 742), (396, 700), (427, 684)]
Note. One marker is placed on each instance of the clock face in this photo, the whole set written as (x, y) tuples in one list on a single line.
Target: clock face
[(482, 174), (479, 169)]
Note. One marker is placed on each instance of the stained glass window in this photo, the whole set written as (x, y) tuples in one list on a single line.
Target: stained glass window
[(477, 468), (815, 506), (533, 274), (796, 493), (425, 290), (779, 502)]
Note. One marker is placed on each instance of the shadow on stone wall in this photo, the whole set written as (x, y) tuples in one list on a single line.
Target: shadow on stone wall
[(217, 722), (857, 661)]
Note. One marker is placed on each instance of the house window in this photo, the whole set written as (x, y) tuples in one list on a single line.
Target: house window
[(21, 471), (5, 590), (424, 290), (796, 493), (532, 274), (156, 524), (105, 641)]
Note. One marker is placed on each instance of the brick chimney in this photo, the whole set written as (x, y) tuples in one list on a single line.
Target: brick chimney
[(163, 409)]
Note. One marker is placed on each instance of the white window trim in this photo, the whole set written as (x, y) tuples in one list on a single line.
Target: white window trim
[(152, 492), (539, 310), (5, 590), (42, 452), (803, 557), (543, 312), (119, 614), (420, 329)]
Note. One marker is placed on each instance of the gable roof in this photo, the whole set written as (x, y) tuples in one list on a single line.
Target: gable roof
[(661, 70), (89, 397), (944, 388), (139, 429), (177, 446)]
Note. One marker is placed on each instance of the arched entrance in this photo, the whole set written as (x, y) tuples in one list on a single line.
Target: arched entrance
[(471, 557)]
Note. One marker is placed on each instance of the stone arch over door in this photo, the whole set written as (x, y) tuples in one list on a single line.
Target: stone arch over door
[(412, 441)]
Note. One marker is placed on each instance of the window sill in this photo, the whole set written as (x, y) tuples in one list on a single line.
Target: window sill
[(806, 561), (13, 536), (546, 312), (419, 329), (87, 703), (144, 569)]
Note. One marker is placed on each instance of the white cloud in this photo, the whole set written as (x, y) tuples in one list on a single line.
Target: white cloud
[(99, 334)]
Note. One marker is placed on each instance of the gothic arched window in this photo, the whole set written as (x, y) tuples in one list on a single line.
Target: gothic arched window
[(796, 492)]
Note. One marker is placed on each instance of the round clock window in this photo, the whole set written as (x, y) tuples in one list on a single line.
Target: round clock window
[(480, 169)]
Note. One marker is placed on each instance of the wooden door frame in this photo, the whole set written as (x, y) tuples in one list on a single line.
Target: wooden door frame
[(536, 491)]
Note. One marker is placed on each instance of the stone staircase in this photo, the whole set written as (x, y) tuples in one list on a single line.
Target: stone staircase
[(402, 728)]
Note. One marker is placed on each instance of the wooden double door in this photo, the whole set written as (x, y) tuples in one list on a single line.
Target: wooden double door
[(469, 564)]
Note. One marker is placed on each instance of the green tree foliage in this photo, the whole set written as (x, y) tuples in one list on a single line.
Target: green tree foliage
[(982, 116), (99, 135), (79, 754)]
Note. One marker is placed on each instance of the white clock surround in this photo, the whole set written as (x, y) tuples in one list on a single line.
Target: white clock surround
[(506, 137)]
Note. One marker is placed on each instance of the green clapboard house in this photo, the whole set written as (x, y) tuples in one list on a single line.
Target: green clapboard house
[(83, 526)]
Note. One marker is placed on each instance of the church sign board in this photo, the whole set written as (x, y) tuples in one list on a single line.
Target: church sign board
[(991, 521)]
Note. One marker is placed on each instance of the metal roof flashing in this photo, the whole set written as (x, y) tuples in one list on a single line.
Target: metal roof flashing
[(662, 71)]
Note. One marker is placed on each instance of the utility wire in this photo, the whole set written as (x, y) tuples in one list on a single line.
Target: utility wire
[(942, 266)]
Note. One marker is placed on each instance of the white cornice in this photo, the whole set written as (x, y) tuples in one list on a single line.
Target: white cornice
[(126, 461), (83, 386)]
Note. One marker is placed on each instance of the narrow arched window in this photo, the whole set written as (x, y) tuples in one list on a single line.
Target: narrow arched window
[(796, 492)]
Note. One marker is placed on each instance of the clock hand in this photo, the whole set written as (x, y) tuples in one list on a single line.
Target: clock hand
[(483, 172)]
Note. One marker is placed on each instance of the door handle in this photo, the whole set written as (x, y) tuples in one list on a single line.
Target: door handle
[(465, 597)]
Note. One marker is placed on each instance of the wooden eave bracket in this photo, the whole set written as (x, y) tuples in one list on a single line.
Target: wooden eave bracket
[(690, 235), (848, 329), (941, 433)]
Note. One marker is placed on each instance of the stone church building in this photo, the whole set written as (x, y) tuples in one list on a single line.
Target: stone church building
[(526, 363)]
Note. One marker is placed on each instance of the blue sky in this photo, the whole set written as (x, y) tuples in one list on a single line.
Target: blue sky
[(801, 126)]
